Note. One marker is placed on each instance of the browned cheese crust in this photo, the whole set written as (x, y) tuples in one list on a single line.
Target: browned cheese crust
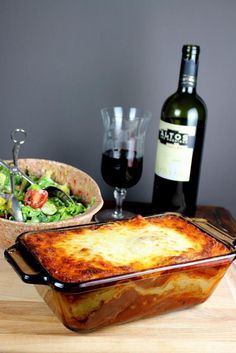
[(99, 251)]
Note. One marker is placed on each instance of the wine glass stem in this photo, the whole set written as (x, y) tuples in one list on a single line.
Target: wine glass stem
[(119, 195)]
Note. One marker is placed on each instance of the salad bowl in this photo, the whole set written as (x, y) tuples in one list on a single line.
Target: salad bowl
[(80, 184)]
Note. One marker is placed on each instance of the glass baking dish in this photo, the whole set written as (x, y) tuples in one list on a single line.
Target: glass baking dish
[(88, 305)]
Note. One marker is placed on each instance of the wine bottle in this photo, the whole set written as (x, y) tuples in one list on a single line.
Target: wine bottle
[(180, 142)]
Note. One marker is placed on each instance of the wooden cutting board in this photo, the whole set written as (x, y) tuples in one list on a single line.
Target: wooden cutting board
[(28, 326)]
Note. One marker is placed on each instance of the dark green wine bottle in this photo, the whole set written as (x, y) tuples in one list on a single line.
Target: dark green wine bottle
[(180, 142)]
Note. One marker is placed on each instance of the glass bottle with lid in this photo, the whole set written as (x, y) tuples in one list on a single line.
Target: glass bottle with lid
[(180, 142)]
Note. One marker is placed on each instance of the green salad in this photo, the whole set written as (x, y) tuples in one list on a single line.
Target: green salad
[(36, 205)]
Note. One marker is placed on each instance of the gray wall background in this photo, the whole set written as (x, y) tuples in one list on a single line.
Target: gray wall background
[(61, 61)]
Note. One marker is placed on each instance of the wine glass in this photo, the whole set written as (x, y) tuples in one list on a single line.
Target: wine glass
[(122, 154)]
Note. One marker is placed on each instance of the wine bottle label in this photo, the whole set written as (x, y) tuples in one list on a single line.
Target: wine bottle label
[(175, 151)]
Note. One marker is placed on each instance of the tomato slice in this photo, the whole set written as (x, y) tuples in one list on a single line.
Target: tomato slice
[(36, 198)]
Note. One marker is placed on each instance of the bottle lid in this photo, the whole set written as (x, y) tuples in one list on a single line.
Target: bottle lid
[(190, 50)]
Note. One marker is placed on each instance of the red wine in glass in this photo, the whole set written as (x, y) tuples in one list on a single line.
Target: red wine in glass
[(120, 168)]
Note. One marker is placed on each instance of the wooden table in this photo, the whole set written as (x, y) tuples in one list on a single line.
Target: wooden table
[(28, 326)]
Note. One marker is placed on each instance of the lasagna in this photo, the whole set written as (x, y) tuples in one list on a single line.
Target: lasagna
[(100, 251), (121, 252)]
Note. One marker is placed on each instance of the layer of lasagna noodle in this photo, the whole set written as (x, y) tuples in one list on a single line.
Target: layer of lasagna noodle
[(100, 251)]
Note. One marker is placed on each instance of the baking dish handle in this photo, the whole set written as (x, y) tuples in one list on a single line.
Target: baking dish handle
[(23, 268), (218, 233)]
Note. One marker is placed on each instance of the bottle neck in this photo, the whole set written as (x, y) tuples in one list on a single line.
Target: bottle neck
[(188, 70), (187, 89), (187, 82)]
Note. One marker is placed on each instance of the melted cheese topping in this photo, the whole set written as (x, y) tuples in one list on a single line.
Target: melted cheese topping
[(126, 246), (94, 252)]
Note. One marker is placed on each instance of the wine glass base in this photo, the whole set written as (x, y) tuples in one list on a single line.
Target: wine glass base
[(109, 215)]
